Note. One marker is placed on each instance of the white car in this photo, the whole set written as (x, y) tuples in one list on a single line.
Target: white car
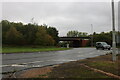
[(102, 45)]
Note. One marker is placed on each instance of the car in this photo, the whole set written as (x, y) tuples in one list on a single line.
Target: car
[(102, 45)]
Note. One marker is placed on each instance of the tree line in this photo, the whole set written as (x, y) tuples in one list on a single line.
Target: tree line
[(76, 34), (106, 37), (43, 35), (97, 37), (28, 34)]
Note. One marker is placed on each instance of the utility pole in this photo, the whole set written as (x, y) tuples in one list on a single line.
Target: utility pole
[(113, 34), (92, 35)]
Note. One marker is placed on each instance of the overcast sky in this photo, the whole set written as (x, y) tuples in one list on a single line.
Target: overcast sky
[(65, 16)]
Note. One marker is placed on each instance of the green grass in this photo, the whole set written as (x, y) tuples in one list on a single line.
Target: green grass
[(74, 70), (21, 49), (0, 49), (104, 63), (105, 66), (118, 46)]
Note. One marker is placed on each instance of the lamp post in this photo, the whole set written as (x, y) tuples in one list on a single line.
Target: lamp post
[(113, 33)]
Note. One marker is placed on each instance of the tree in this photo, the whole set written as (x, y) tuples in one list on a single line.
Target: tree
[(53, 32), (5, 27), (49, 40), (42, 38), (13, 36), (76, 34), (72, 34), (103, 37), (118, 38), (82, 34), (30, 33)]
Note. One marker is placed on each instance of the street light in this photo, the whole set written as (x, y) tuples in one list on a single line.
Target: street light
[(113, 33)]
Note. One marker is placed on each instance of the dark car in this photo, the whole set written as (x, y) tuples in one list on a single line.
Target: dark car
[(102, 45)]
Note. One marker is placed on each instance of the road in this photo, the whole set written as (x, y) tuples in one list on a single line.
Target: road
[(19, 61)]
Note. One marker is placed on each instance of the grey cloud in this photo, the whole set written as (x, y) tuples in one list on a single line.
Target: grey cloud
[(64, 16)]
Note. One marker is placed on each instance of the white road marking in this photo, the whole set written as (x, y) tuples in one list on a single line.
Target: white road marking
[(25, 64), (4, 65), (20, 64), (17, 65)]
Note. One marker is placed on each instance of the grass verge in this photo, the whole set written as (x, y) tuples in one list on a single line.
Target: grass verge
[(23, 49), (75, 70), (105, 63)]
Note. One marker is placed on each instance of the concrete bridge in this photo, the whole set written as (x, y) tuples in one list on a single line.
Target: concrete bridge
[(76, 41)]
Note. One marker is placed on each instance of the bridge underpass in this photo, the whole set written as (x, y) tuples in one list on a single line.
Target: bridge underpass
[(76, 41)]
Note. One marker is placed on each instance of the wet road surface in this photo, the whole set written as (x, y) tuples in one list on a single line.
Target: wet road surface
[(19, 61)]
